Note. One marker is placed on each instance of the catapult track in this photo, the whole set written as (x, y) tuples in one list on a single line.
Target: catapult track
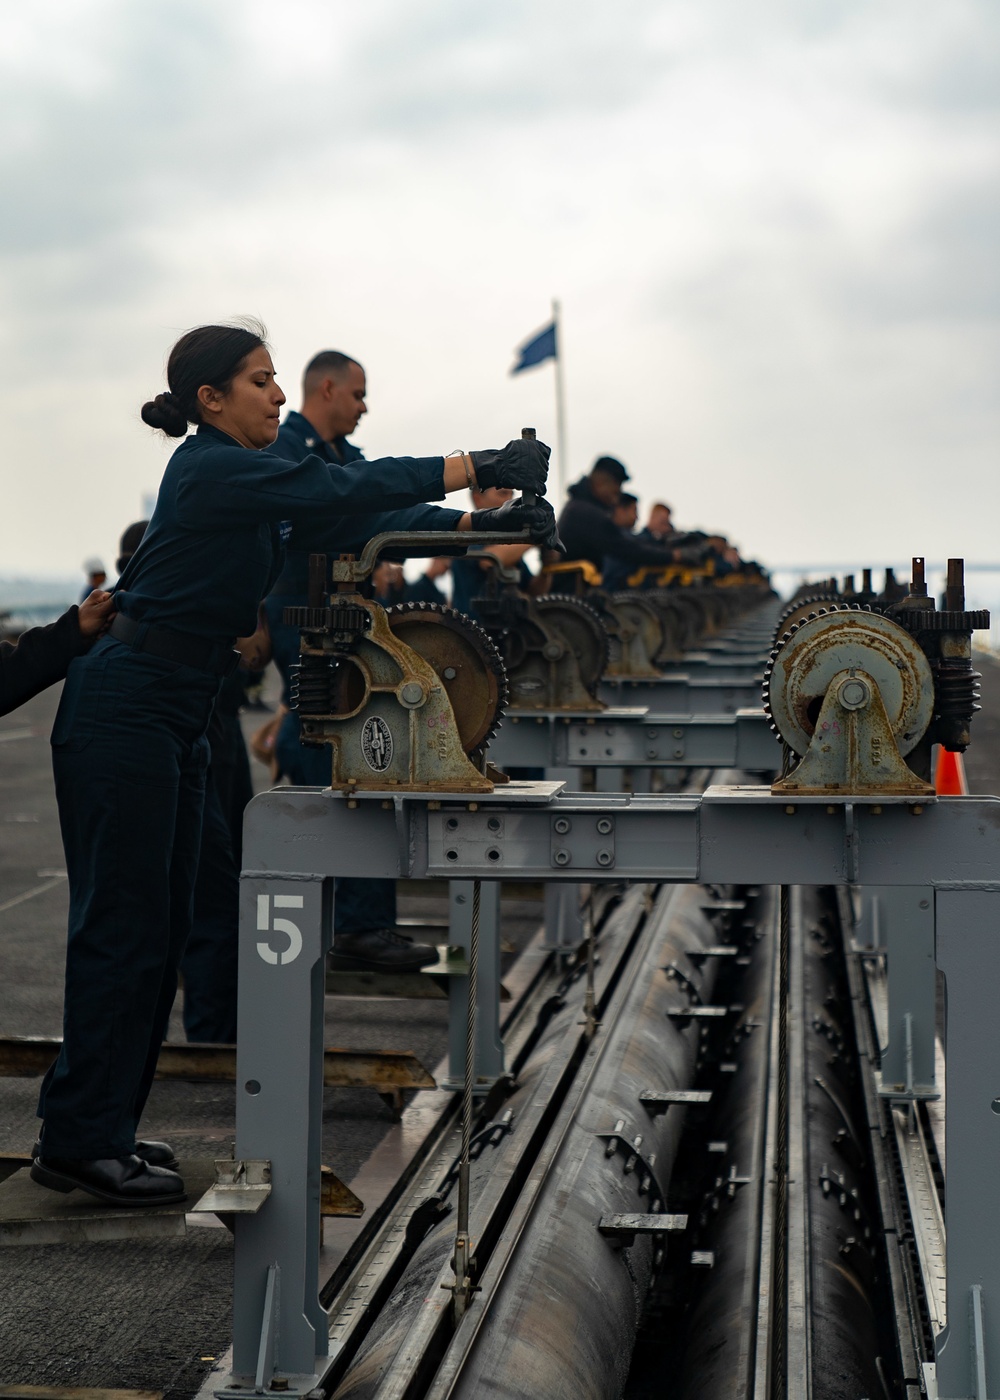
[(802, 1279)]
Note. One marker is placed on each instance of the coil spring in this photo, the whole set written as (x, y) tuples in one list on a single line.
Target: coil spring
[(956, 689), (309, 688)]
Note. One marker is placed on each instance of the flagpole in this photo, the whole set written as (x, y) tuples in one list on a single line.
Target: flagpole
[(560, 405)]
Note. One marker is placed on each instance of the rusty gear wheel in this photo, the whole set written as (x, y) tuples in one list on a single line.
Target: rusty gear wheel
[(581, 628), (799, 609), (467, 662), (829, 640)]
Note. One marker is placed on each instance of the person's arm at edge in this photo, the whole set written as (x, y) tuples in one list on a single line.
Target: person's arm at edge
[(42, 656)]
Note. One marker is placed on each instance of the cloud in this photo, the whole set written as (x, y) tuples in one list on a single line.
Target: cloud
[(772, 228)]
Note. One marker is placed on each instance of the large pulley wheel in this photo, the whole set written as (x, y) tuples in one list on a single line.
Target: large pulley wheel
[(836, 639), (581, 629), (465, 660)]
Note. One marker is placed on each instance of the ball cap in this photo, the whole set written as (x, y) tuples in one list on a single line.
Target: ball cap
[(611, 466), (94, 566)]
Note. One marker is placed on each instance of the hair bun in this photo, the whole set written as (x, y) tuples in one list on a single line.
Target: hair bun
[(165, 413)]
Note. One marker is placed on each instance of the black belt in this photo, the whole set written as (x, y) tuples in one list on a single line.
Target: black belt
[(199, 652)]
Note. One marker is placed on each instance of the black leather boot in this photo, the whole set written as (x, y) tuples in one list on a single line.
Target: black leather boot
[(154, 1154), (118, 1181), (379, 950)]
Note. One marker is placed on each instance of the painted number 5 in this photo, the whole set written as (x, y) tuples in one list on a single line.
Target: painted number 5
[(285, 926)]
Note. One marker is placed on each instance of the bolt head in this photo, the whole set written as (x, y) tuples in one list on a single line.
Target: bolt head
[(855, 693)]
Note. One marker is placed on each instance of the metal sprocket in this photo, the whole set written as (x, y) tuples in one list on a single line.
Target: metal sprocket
[(799, 609), (466, 661)]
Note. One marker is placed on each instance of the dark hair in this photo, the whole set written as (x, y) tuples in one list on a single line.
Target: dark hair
[(207, 355), (328, 364), (130, 542), (627, 499), (610, 466)]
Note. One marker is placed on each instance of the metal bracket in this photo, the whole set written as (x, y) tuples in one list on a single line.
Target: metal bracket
[(241, 1188), (732, 1181), (717, 950), (657, 1101), (336, 1197), (573, 841), (723, 906), (699, 1013), (622, 1229)]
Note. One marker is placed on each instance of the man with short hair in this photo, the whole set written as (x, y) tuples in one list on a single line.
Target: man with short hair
[(659, 527), (333, 403)]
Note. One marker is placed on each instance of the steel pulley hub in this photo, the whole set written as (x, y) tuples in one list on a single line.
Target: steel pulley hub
[(847, 645)]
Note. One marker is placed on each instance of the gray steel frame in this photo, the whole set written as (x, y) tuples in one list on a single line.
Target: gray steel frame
[(683, 693), (899, 922), (636, 738), (298, 840)]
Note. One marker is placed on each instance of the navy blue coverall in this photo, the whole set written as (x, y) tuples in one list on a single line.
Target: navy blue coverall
[(129, 754), (211, 958), (360, 905)]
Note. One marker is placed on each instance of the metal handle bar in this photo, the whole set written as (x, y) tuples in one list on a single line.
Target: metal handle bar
[(353, 570)]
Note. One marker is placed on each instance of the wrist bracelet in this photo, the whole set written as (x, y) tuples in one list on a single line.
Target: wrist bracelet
[(466, 457)]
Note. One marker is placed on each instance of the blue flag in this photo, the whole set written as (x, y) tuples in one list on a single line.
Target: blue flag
[(539, 348)]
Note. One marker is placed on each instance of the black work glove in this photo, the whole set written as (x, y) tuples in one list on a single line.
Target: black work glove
[(513, 517), (522, 465)]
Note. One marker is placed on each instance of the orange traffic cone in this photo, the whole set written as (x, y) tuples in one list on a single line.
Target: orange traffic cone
[(949, 775)]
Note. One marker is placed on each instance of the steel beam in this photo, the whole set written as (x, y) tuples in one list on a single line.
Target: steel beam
[(489, 1058), (680, 693), (24, 1056), (904, 918), (637, 739)]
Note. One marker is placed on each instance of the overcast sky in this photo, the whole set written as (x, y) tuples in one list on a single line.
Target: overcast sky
[(773, 228)]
